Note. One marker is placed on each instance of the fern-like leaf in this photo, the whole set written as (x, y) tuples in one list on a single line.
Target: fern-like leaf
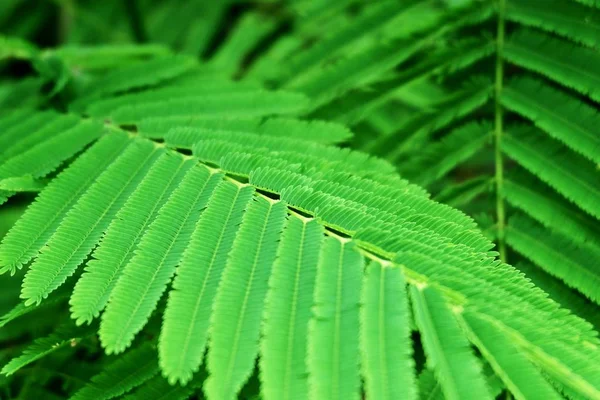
[(572, 123), (83, 225), (250, 104), (575, 263), (63, 336), (147, 274), (522, 378), (92, 290), (566, 18), (45, 157), (186, 319), (386, 346), (241, 293), (158, 388), (42, 218), (138, 75), (129, 371), (549, 208), (284, 372), (447, 350), (570, 174), (558, 59), (333, 341)]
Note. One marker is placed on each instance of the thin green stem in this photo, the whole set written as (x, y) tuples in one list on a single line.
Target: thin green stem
[(136, 21), (66, 12), (500, 212)]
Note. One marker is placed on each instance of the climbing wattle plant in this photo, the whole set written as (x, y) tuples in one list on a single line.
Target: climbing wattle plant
[(226, 199)]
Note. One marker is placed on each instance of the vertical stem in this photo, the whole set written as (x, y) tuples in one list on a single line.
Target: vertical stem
[(136, 21), (498, 130), (65, 16)]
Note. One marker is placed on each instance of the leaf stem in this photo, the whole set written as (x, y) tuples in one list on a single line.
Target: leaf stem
[(498, 130), (136, 21)]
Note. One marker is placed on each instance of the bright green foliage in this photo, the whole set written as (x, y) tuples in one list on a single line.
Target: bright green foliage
[(138, 75), (385, 334), (550, 209), (558, 59), (43, 217), (510, 363), (448, 352), (288, 311), (214, 88), (242, 104), (565, 18), (441, 158), (36, 162), (186, 321), (138, 290), (242, 292), (35, 144), (103, 57), (82, 226), (230, 184), (123, 235), (333, 345)]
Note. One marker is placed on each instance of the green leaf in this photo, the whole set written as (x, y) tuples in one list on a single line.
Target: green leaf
[(43, 217), (24, 183), (333, 338), (283, 369), (235, 322), (138, 75), (522, 378), (186, 320), (386, 345), (127, 372), (573, 262), (84, 224), (158, 388), (549, 208), (447, 349), (566, 18), (562, 61), (147, 274), (45, 156), (257, 103), (562, 116), (63, 336), (570, 174), (116, 249)]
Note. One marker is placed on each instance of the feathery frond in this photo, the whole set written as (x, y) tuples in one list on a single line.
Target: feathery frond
[(333, 344), (448, 352), (510, 363), (288, 310), (189, 309), (386, 346), (116, 249), (230, 247), (241, 293), (161, 248), (122, 375), (63, 336), (83, 225)]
